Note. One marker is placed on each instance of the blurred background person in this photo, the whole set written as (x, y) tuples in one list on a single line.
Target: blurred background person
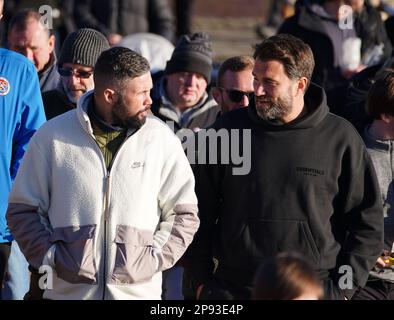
[(287, 276), (29, 36), (116, 19), (379, 139), (318, 24), (279, 10), (153, 47), (59, 12), (183, 13)]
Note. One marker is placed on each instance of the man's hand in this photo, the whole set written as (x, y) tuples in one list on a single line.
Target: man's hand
[(350, 73), (380, 263), (384, 260), (198, 291)]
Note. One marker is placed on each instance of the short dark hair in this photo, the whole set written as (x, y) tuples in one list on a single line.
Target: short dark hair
[(295, 55), (284, 277), (20, 20), (381, 96), (235, 64), (117, 65)]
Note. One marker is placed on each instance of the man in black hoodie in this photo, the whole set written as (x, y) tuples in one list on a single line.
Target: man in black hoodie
[(311, 187)]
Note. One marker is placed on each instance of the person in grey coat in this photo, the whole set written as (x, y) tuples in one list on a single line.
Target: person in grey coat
[(379, 139)]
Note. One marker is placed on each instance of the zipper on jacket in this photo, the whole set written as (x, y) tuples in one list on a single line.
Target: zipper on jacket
[(106, 211), (105, 260), (106, 216), (106, 198), (106, 208)]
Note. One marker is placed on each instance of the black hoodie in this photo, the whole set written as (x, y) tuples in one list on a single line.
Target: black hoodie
[(311, 189)]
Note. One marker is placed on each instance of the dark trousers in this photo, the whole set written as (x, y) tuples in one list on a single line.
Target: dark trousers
[(375, 289), (34, 293), (5, 250)]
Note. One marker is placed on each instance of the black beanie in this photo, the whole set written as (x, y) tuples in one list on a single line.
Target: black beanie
[(192, 54), (83, 47)]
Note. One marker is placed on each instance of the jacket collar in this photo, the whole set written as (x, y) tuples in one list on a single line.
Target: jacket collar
[(49, 66), (373, 143), (310, 18)]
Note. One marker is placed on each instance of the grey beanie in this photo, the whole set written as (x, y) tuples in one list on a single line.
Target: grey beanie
[(83, 47), (192, 54)]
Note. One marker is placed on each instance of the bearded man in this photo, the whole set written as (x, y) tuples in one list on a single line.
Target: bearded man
[(312, 188), (105, 198)]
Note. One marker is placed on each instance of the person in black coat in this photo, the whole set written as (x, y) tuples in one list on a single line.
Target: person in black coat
[(316, 22), (116, 19)]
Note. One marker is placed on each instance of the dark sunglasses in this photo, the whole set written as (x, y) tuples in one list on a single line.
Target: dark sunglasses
[(66, 72), (236, 95)]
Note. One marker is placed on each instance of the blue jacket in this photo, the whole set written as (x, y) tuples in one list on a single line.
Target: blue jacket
[(21, 114)]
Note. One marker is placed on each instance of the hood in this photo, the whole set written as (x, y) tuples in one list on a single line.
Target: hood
[(319, 10), (311, 15), (316, 103)]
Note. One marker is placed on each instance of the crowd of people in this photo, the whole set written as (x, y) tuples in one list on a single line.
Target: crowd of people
[(100, 197)]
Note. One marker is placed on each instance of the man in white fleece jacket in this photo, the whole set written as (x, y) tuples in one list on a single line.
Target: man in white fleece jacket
[(105, 195)]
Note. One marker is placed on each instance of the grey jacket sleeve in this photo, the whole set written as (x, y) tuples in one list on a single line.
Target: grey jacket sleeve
[(28, 204)]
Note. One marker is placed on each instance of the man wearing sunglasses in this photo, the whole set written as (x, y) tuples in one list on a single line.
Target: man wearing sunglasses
[(234, 83), (78, 56)]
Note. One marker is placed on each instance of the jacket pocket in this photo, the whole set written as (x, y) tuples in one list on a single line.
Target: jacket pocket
[(74, 255), (134, 260), (270, 237)]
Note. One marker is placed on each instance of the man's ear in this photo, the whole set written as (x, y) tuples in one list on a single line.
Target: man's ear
[(109, 96), (51, 42), (302, 85), (216, 94), (387, 118)]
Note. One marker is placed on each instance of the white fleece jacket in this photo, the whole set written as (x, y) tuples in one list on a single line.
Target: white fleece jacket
[(107, 235)]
